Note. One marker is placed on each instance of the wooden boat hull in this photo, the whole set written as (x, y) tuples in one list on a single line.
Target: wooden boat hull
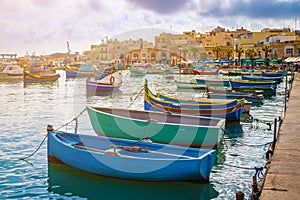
[(193, 101), (230, 111), (7, 77), (199, 72), (186, 85), (222, 83), (266, 91), (276, 74), (38, 78), (230, 114), (95, 88), (192, 104), (253, 84), (76, 73), (106, 84), (159, 127), (129, 159), (262, 78), (225, 94)]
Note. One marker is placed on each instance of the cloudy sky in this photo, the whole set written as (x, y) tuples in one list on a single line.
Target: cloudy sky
[(44, 26)]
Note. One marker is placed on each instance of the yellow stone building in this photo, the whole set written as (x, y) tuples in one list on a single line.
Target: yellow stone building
[(282, 43), (180, 46), (216, 44)]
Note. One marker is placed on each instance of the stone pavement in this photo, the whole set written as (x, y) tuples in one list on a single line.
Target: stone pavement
[(282, 179)]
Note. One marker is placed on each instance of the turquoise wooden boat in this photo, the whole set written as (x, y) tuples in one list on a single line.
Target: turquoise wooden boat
[(213, 82), (159, 127), (128, 159)]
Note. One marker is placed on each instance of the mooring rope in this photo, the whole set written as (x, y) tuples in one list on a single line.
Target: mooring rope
[(254, 145), (65, 125), (258, 170), (136, 97)]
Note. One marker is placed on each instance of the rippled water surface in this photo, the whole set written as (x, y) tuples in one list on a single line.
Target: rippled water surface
[(26, 110)]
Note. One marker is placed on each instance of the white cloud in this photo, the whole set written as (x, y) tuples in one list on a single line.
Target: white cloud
[(44, 26)]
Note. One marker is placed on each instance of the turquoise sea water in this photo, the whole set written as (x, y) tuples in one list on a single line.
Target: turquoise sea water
[(27, 109)]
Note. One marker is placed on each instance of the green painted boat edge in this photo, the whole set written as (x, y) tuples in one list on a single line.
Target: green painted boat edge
[(121, 127)]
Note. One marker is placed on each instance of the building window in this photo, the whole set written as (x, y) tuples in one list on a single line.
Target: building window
[(289, 51)]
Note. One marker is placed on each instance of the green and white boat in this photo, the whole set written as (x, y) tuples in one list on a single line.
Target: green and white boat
[(168, 128)]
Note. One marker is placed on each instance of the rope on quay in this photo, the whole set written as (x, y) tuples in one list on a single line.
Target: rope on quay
[(65, 125), (258, 170)]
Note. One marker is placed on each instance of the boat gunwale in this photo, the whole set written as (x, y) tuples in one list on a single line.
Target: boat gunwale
[(218, 125), (203, 152)]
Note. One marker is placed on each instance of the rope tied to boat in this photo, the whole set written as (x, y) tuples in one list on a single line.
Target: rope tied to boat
[(139, 93), (49, 128)]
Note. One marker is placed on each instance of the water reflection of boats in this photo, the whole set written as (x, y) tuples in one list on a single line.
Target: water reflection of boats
[(67, 181), (234, 129)]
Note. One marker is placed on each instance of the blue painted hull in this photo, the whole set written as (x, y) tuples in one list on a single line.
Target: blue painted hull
[(262, 78), (254, 84), (277, 74), (192, 105), (234, 115), (129, 159)]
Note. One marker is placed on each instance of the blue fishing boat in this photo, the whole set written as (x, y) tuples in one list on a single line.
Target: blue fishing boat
[(263, 78), (129, 159), (229, 112), (184, 103), (229, 94), (274, 74), (253, 84)]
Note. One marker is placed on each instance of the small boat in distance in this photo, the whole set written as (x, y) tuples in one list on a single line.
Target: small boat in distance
[(129, 159), (11, 72), (108, 84), (40, 77), (80, 70), (138, 70)]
